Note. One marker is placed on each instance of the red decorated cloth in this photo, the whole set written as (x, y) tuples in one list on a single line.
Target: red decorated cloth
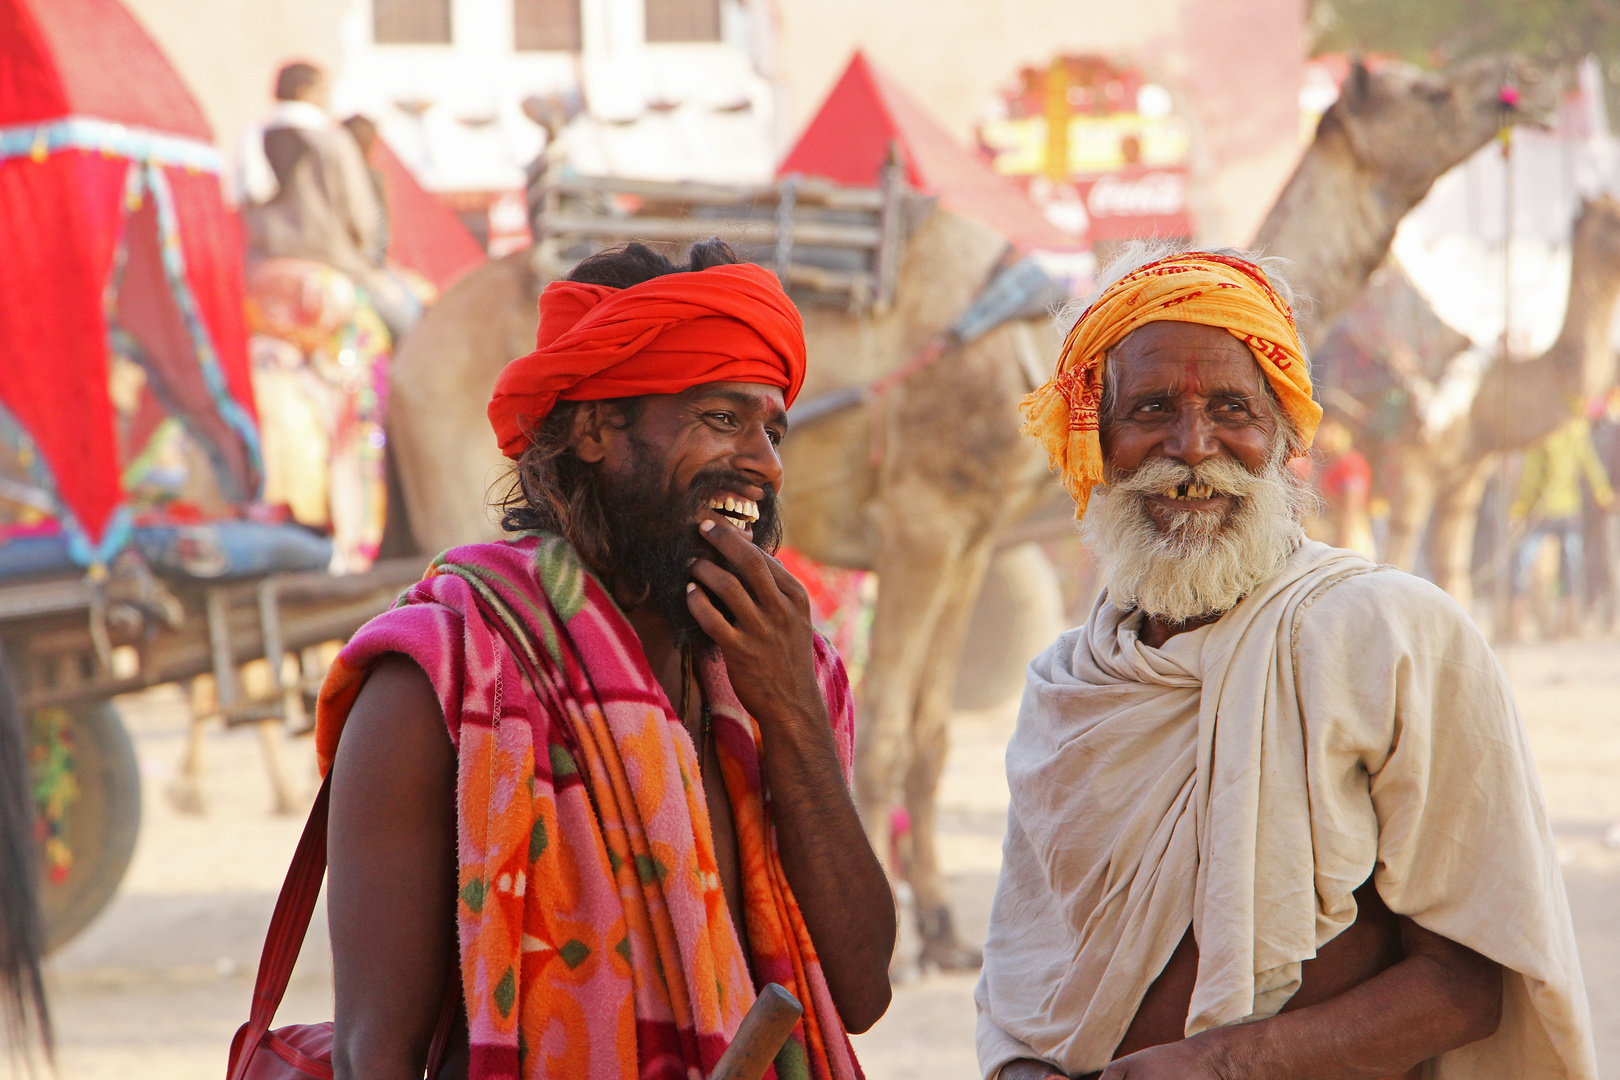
[(725, 324), (93, 100)]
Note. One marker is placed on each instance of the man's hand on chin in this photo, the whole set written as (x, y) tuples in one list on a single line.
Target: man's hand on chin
[(768, 640)]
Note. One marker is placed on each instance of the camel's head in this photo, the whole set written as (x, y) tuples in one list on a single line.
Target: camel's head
[(1411, 126)]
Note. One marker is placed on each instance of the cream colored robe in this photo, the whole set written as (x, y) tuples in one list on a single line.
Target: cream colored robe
[(1344, 720)]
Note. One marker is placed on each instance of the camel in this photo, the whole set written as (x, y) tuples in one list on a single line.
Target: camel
[(1439, 476), (1391, 134), (921, 484)]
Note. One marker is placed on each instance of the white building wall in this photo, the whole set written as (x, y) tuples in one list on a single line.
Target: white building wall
[(454, 112)]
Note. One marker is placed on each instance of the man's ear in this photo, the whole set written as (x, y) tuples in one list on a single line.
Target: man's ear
[(591, 430)]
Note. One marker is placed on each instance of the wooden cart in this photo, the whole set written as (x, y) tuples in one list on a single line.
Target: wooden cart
[(71, 644)]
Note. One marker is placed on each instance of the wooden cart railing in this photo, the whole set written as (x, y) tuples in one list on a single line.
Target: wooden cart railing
[(61, 652), (825, 241)]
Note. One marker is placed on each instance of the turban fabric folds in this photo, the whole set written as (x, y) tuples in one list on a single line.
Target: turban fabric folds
[(729, 323), (1196, 287)]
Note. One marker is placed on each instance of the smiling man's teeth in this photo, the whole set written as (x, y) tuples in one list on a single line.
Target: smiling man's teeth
[(1189, 491), (744, 510)]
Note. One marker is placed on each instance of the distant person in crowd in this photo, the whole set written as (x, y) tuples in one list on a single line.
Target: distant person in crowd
[(594, 779), (1549, 506), (310, 194), (1273, 812)]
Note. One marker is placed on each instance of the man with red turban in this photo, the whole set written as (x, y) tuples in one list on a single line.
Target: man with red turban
[(642, 812)]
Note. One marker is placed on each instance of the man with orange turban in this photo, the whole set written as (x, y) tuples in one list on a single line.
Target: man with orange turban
[(1273, 812), (642, 812)]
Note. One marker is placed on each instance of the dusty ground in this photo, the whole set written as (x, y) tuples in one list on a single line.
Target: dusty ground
[(158, 985)]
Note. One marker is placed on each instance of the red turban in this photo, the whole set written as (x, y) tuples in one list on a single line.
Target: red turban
[(728, 323)]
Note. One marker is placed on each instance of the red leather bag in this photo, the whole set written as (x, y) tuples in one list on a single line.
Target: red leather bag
[(301, 1051)]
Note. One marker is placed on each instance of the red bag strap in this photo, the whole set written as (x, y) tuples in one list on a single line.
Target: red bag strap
[(288, 925)]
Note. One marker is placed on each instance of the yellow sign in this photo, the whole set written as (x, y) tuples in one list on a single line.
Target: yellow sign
[(1095, 143)]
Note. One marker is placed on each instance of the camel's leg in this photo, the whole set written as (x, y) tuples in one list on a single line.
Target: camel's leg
[(185, 790), (1411, 498), (912, 572), (930, 744), (1451, 542)]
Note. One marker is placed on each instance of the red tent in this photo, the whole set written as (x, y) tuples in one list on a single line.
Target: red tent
[(848, 141), (112, 223), (423, 233)]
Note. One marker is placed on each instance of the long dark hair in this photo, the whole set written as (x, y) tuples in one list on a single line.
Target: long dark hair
[(552, 489), (23, 1013)]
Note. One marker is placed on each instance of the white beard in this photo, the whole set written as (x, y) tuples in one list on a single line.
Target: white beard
[(1207, 560)]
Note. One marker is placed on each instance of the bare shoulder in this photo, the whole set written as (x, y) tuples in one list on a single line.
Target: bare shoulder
[(396, 721)]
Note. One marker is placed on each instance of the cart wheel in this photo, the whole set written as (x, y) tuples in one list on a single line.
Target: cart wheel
[(87, 790)]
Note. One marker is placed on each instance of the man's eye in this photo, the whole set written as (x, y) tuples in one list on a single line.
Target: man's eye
[(721, 418), (774, 435)]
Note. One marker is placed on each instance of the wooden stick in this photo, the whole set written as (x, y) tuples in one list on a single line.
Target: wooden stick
[(760, 1035)]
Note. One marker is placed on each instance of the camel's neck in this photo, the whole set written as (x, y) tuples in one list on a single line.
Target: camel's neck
[(1335, 224), (1520, 402), (1581, 355)]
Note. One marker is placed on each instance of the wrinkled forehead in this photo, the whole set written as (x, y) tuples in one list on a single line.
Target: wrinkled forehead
[(1184, 353), (757, 399)]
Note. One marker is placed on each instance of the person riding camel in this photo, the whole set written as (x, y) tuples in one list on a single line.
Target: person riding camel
[(310, 194)]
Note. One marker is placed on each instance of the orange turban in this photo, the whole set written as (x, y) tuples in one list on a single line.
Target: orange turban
[(1196, 287), (728, 323)]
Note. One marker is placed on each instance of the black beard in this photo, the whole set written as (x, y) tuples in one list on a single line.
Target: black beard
[(654, 537)]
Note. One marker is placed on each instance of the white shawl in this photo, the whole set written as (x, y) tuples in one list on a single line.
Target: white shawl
[(1344, 720)]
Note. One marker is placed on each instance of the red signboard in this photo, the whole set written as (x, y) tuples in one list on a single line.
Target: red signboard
[(1136, 203)]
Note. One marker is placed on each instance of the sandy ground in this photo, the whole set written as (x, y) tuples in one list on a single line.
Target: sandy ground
[(156, 987)]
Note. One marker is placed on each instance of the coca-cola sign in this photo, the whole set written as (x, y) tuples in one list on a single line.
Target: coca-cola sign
[(1154, 194), (1134, 203)]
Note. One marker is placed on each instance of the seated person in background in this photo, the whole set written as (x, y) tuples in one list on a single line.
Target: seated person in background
[(600, 771), (1273, 812), (310, 195)]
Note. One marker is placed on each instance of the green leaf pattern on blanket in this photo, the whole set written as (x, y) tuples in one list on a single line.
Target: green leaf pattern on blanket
[(561, 575)]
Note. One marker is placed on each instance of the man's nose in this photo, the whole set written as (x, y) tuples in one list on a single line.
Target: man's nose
[(1192, 438), (756, 456)]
